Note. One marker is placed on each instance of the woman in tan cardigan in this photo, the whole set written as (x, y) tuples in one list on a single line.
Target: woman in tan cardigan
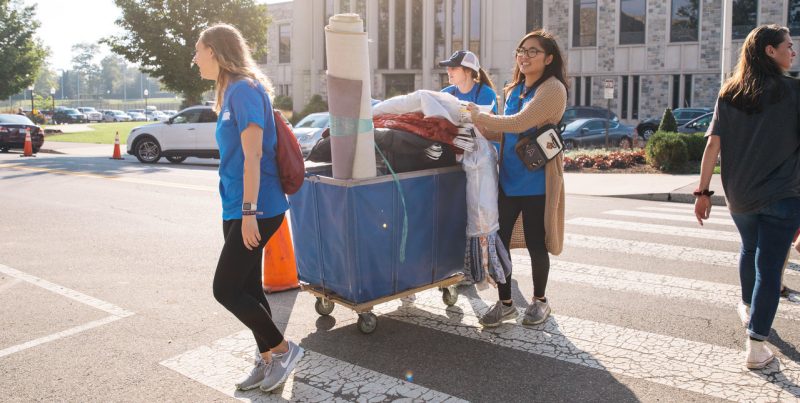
[(537, 95)]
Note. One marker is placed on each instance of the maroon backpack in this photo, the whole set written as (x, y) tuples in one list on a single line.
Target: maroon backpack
[(291, 167)]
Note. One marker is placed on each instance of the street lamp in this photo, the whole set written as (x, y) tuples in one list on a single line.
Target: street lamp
[(30, 87), (53, 97), (146, 93)]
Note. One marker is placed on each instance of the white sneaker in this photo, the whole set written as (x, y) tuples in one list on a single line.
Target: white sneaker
[(758, 354), (744, 313)]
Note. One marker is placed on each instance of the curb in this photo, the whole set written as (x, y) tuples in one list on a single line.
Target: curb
[(716, 200)]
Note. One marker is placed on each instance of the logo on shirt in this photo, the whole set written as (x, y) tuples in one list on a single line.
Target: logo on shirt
[(226, 115)]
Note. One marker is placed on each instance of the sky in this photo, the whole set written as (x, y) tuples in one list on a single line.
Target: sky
[(67, 23)]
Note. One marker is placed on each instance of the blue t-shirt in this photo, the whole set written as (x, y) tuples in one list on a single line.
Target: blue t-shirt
[(242, 104), (486, 95), (515, 178)]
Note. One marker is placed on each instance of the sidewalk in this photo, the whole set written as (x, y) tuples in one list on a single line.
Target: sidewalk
[(658, 187)]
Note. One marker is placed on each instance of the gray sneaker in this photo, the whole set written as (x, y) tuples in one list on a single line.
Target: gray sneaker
[(280, 367), (256, 375), (536, 313), (498, 314)]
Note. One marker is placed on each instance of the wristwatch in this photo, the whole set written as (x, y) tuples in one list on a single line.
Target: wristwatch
[(249, 207)]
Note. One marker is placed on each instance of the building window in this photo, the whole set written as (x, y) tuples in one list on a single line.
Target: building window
[(475, 27), (398, 84), (685, 21), (457, 25), (444, 80), (629, 97), (439, 45), (681, 91), (794, 17), (587, 91), (577, 86), (383, 34), (416, 34), (632, 18), (534, 12), (361, 10), (400, 34), (284, 43), (745, 15), (584, 23)]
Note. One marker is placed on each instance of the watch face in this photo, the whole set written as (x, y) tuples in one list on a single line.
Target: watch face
[(246, 206)]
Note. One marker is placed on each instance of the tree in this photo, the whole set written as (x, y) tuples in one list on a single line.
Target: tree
[(160, 37), (668, 123), (84, 65), (111, 77), (21, 54), (46, 79)]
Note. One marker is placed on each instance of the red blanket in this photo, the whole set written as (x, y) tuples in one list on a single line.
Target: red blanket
[(436, 129)]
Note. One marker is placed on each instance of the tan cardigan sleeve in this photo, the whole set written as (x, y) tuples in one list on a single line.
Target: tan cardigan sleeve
[(547, 106)]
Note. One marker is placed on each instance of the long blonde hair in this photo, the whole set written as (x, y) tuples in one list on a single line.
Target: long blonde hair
[(234, 58)]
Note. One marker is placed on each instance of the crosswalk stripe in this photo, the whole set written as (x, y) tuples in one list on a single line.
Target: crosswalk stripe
[(317, 377), (669, 230), (724, 213), (663, 251), (669, 217), (608, 278), (684, 364)]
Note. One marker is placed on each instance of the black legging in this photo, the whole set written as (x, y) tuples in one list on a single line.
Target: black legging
[(237, 282), (532, 209)]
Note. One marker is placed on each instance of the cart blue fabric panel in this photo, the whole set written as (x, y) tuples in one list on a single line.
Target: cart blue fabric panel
[(347, 233)]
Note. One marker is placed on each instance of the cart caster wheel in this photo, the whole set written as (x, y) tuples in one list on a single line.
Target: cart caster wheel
[(367, 322), (323, 306), (449, 296)]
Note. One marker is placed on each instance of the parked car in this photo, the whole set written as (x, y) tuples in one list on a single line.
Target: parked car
[(309, 130), (190, 133), (573, 113), (92, 115), (647, 127), (137, 116), (170, 113), (12, 133), (157, 116), (68, 115), (116, 116), (585, 133), (696, 125)]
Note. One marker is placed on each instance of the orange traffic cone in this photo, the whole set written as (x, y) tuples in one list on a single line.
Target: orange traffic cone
[(280, 268), (27, 150), (117, 155)]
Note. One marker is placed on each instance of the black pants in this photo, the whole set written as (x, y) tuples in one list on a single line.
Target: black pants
[(532, 209), (237, 282)]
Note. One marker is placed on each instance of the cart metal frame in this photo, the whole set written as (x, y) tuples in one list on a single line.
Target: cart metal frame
[(368, 321)]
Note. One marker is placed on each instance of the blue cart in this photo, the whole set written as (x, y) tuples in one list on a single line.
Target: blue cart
[(362, 242)]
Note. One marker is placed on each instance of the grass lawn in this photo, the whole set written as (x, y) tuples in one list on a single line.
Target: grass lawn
[(103, 133)]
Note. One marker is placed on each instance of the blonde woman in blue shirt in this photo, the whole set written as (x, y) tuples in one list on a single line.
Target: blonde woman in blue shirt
[(253, 202), (469, 82)]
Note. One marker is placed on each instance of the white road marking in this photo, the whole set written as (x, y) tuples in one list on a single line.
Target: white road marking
[(688, 217), (115, 311), (608, 278), (669, 230), (694, 366), (662, 251), (317, 377), (714, 211)]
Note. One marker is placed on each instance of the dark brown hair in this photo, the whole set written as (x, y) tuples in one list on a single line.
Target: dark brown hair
[(556, 68), (756, 73)]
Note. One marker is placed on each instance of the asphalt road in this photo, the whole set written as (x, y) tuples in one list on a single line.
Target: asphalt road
[(105, 289)]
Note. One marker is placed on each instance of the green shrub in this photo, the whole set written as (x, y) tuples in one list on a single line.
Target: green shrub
[(283, 102), (314, 105), (668, 123), (695, 145), (667, 152)]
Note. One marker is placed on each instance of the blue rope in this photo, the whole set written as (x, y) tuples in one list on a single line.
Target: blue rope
[(402, 200)]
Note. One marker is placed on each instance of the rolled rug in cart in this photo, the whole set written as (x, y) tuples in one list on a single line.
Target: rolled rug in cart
[(349, 95)]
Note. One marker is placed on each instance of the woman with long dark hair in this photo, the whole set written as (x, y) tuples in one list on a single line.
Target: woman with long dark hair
[(536, 96), (755, 131), (253, 202)]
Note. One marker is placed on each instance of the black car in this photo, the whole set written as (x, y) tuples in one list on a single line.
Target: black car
[(647, 127), (587, 133), (573, 113), (12, 133), (68, 115), (697, 125)]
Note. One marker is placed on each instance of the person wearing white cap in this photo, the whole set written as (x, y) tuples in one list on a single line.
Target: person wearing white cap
[(469, 82)]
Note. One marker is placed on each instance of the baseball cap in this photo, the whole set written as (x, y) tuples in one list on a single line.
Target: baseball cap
[(462, 58)]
